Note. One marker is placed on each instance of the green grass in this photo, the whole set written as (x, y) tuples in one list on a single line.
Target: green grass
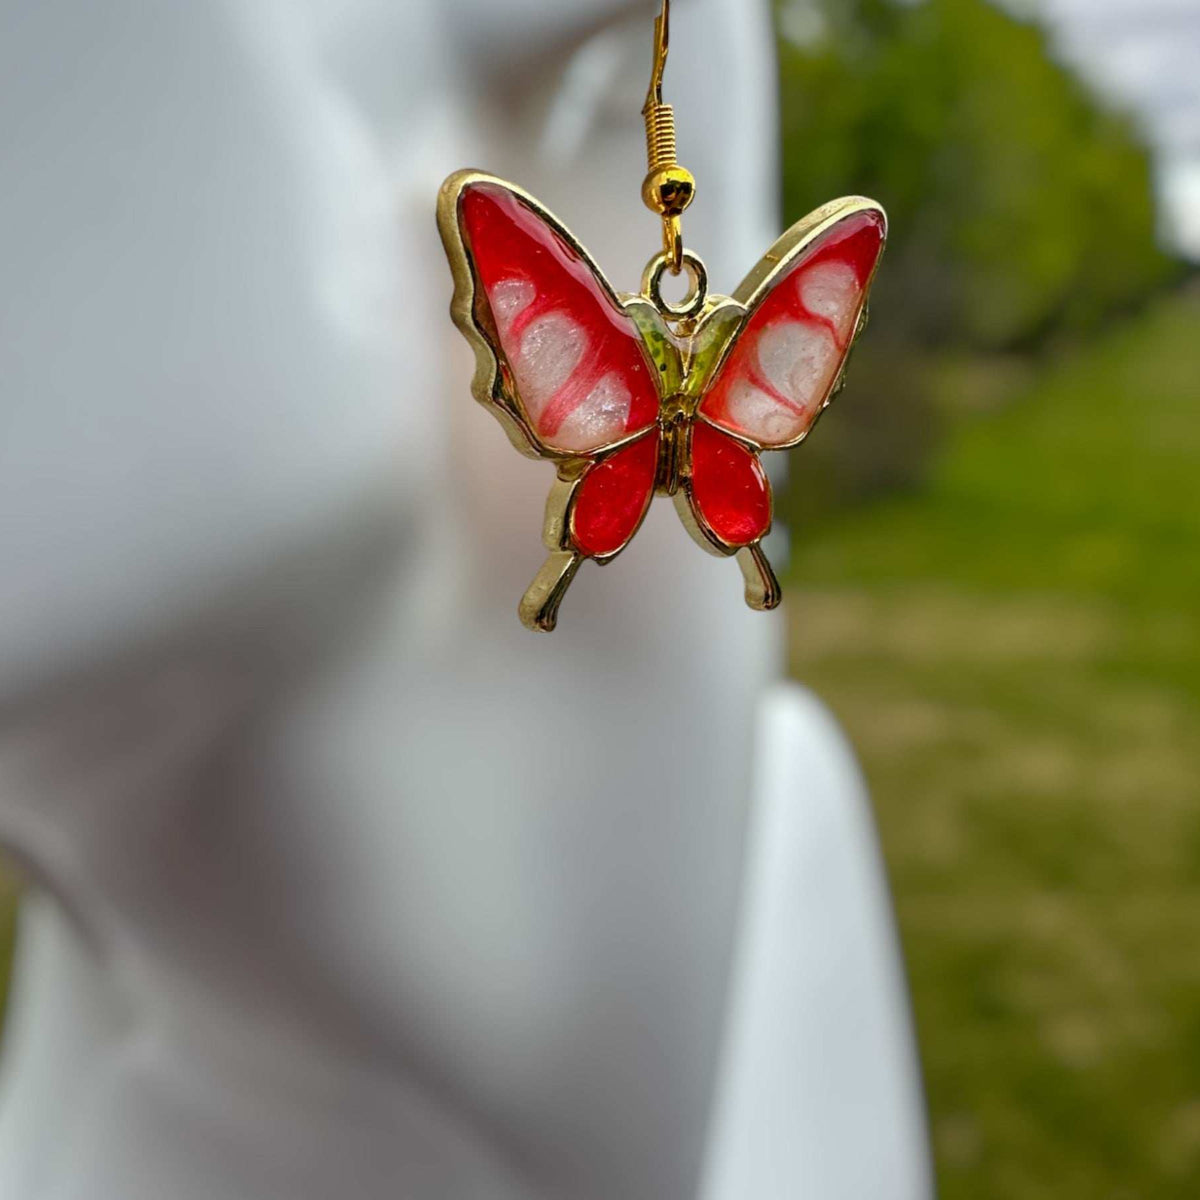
[(1015, 651), (9, 888)]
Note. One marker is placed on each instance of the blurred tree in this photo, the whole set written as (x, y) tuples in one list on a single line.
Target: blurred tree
[(1021, 208)]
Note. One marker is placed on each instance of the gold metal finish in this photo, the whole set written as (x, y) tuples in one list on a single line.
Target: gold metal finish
[(692, 304), (538, 609), (762, 588), (668, 188)]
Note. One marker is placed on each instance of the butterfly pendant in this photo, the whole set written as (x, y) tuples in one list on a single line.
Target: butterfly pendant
[(631, 396)]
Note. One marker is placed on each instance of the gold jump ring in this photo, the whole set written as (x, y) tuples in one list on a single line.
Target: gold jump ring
[(693, 302)]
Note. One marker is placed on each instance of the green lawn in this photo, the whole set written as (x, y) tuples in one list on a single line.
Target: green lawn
[(8, 927), (1015, 651)]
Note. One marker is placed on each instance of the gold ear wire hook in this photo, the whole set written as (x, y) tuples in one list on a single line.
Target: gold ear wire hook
[(668, 188), (661, 45)]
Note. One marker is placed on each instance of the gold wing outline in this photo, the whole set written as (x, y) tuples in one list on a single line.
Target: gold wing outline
[(492, 383), (784, 253)]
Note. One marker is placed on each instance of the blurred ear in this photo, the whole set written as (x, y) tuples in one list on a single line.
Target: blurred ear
[(515, 36)]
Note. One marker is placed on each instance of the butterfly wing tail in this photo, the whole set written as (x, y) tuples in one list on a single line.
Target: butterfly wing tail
[(538, 609), (762, 587)]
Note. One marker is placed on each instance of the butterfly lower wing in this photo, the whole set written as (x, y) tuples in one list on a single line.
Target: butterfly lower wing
[(591, 512), (559, 359), (608, 504), (804, 305), (726, 504)]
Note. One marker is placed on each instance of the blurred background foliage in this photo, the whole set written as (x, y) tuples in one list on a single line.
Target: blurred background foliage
[(995, 580), (1022, 212)]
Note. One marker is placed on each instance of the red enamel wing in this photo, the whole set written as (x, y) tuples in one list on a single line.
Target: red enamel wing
[(627, 405)]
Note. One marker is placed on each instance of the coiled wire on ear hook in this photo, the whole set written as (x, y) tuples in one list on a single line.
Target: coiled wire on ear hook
[(668, 187)]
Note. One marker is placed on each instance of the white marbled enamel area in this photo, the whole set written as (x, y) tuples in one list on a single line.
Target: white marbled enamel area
[(546, 356), (509, 298), (791, 363), (550, 348), (760, 415), (601, 416), (799, 360), (830, 290)]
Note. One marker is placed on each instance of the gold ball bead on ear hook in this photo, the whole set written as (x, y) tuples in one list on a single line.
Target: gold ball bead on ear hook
[(668, 190)]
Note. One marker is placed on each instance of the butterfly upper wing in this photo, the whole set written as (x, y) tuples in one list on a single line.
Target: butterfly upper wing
[(561, 360), (803, 305), (767, 363)]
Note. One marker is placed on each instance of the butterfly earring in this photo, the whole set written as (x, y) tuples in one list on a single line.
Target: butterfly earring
[(630, 395)]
